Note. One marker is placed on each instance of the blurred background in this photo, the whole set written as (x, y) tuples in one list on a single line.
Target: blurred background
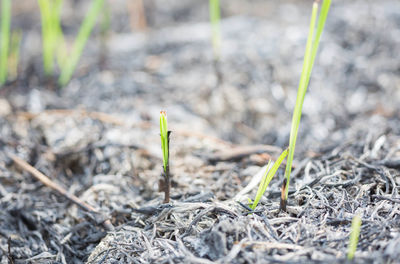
[(144, 56), (86, 81)]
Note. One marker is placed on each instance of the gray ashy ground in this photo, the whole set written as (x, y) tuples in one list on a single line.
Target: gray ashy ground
[(105, 147)]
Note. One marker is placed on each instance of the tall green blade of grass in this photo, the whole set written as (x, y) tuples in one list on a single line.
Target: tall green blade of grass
[(320, 27), (215, 17), (84, 32), (309, 57), (51, 31), (266, 179), (355, 233), (5, 38)]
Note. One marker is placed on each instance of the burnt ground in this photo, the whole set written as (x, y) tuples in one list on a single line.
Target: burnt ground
[(98, 138)]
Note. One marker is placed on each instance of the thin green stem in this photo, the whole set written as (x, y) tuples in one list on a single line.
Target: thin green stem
[(13, 57), (309, 58), (51, 32), (164, 138), (80, 42), (260, 187), (300, 96), (320, 27), (355, 233), (267, 177), (5, 38)]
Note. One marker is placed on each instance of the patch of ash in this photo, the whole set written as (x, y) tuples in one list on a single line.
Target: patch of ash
[(329, 191)]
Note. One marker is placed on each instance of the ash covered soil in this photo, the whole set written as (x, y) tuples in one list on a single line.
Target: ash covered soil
[(99, 138)]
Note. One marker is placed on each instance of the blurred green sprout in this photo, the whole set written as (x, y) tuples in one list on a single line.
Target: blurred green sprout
[(51, 32), (5, 38), (68, 67), (13, 59), (54, 46), (215, 17), (354, 234)]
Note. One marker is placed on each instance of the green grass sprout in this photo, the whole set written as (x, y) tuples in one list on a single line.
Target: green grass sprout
[(309, 57), (267, 177), (260, 192), (5, 38), (354, 234), (165, 150), (13, 58), (51, 32), (215, 17), (84, 32), (164, 137)]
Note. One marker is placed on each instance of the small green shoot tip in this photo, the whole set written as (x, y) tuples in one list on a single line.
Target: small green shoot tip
[(164, 133), (164, 138), (354, 234), (267, 177)]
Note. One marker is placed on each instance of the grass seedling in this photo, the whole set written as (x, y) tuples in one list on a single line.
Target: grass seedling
[(5, 38), (13, 58), (165, 150), (267, 177), (215, 17), (67, 69), (354, 234), (51, 32), (309, 57)]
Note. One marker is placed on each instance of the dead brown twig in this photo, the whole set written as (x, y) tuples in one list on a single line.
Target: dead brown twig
[(242, 151), (54, 186), (117, 121), (137, 15), (270, 245), (103, 117)]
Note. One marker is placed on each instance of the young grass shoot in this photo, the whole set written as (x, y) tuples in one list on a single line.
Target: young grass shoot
[(165, 151), (13, 58), (5, 38), (67, 69), (309, 57), (51, 32), (215, 17), (267, 177), (354, 234), (53, 39)]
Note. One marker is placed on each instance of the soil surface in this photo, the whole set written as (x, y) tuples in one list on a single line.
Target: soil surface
[(98, 138)]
